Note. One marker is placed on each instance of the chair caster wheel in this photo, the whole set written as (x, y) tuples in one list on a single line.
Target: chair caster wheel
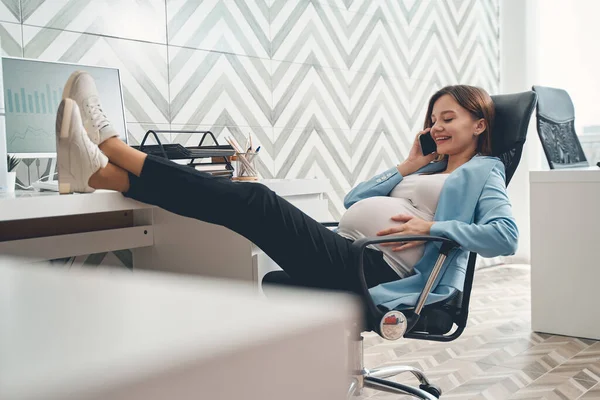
[(432, 390)]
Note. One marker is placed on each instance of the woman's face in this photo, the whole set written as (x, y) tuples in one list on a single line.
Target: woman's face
[(454, 129)]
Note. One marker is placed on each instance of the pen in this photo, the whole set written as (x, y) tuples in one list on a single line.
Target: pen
[(255, 153)]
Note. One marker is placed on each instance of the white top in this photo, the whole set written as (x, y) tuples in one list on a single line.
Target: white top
[(415, 195), (89, 334)]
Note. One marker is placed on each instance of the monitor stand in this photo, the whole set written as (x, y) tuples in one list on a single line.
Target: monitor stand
[(50, 184)]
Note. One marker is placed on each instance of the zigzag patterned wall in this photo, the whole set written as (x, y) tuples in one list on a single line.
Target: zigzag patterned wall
[(330, 88)]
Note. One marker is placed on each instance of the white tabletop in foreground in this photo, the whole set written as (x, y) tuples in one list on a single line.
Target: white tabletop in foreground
[(97, 335)]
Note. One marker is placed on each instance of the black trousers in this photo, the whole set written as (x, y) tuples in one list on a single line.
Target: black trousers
[(311, 254)]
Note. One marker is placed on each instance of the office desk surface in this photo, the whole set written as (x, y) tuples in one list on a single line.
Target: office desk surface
[(31, 205), (590, 174), (94, 335), (44, 226)]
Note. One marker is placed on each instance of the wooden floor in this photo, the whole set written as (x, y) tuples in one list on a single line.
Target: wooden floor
[(498, 356)]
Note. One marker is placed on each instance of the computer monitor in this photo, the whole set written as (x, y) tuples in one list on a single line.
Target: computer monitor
[(32, 92)]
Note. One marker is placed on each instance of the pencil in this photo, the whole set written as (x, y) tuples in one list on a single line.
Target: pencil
[(236, 145), (247, 166)]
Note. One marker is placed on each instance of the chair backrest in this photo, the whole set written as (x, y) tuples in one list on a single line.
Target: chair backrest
[(513, 112), (556, 128)]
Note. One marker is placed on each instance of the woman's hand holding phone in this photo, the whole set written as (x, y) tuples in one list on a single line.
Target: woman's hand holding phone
[(416, 160)]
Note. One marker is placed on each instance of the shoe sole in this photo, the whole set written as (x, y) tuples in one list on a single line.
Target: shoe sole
[(69, 84), (64, 186)]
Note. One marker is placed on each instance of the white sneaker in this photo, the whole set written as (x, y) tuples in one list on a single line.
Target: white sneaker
[(77, 157), (81, 87)]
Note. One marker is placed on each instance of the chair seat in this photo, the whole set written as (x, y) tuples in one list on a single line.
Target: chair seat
[(437, 319)]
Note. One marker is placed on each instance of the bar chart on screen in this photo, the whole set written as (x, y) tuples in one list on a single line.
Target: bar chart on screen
[(43, 101)]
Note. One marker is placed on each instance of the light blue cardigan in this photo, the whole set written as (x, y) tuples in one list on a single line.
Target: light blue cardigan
[(473, 210)]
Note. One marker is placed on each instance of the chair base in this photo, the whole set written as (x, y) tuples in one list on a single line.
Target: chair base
[(375, 378), (369, 379)]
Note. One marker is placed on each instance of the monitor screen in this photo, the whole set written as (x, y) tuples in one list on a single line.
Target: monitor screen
[(32, 92)]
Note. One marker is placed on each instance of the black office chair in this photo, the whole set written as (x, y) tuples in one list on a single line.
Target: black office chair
[(555, 116), (443, 321)]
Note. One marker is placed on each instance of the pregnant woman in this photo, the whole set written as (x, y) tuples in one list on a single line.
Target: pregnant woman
[(458, 192)]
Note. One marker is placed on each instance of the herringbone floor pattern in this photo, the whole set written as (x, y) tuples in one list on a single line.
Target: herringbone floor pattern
[(498, 356)]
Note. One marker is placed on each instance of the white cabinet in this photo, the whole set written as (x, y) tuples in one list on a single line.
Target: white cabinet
[(565, 267)]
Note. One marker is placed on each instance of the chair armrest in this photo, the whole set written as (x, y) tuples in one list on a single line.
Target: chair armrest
[(374, 313)]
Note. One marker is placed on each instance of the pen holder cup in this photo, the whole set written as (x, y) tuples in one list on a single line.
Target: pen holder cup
[(245, 167)]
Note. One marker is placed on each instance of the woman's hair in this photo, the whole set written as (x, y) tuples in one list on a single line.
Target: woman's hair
[(475, 100)]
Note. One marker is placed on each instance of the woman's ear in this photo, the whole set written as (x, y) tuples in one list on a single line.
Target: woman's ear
[(480, 126)]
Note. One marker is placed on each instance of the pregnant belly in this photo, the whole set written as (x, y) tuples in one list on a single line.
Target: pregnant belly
[(369, 216)]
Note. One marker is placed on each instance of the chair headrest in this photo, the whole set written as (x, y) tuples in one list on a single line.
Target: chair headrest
[(513, 112), (554, 104)]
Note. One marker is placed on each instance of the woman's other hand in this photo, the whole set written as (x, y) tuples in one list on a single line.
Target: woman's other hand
[(415, 160), (411, 226)]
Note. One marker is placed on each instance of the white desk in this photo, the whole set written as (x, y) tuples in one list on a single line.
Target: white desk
[(565, 267), (91, 335), (44, 226)]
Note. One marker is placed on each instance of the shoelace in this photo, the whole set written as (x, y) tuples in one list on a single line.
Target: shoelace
[(99, 119)]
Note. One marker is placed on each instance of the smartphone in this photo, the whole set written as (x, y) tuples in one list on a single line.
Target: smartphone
[(428, 145)]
